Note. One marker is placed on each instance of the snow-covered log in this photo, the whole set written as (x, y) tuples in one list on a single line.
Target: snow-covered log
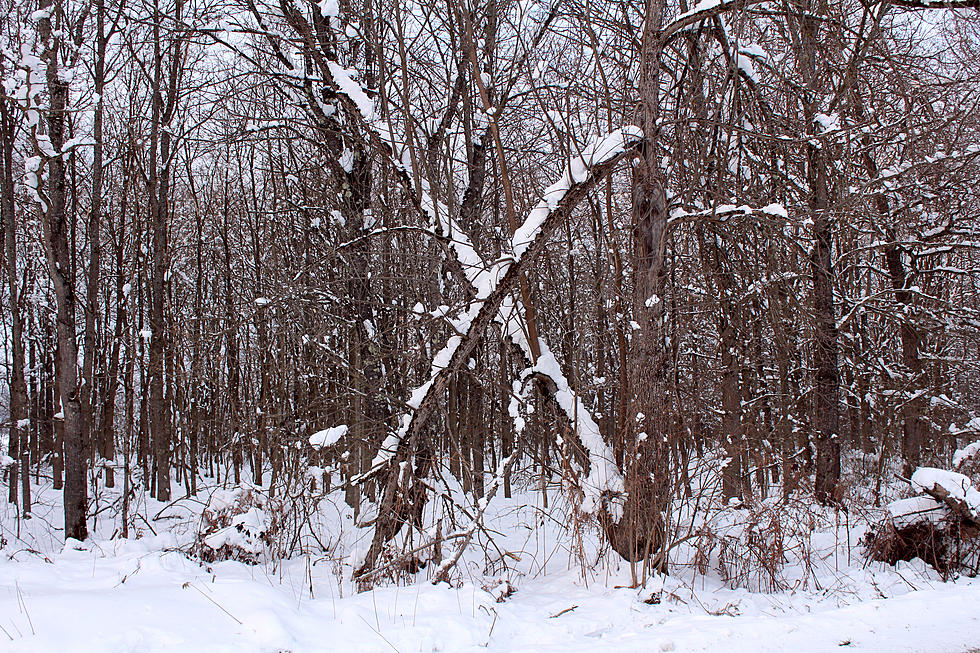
[(951, 488), (934, 526)]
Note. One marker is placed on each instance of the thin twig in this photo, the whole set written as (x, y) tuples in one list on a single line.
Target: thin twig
[(189, 584)]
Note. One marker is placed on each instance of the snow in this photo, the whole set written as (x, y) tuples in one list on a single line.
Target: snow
[(347, 160), (604, 476), (777, 210), (344, 78), (328, 437), (827, 122), (916, 509), (146, 596), (754, 50), (704, 5), (744, 63), (576, 172), (167, 604), (243, 533), (969, 451), (957, 485), (723, 211), (485, 278), (604, 484), (221, 499)]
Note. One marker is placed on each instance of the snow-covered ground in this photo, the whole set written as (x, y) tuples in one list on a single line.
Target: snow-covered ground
[(147, 595)]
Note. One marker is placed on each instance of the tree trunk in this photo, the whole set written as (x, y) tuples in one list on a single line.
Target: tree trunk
[(826, 382), (59, 255), (89, 389), (161, 426), (641, 532), (19, 445)]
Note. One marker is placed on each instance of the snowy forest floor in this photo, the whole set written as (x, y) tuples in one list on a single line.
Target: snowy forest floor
[(146, 594)]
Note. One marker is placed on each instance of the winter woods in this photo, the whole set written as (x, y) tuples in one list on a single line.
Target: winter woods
[(612, 252)]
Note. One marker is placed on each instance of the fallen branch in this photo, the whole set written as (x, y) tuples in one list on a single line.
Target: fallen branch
[(442, 574)]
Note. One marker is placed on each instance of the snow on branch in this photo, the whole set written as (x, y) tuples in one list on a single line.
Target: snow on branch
[(604, 479), (344, 80), (887, 176), (937, 4), (970, 452), (328, 437), (953, 488), (702, 11), (726, 211), (360, 105)]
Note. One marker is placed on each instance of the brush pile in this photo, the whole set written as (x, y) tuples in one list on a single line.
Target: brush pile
[(939, 525)]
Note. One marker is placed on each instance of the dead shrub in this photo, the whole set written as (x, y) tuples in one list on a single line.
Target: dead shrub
[(949, 545), (924, 540), (749, 547), (754, 558), (237, 524)]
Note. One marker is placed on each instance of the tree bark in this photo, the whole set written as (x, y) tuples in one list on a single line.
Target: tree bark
[(826, 381), (59, 255), (19, 445), (89, 390), (161, 426), (641, 532)]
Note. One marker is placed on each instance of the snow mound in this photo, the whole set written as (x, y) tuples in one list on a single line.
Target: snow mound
[(956, 486), (966, 454), (328, 437), (906, 512), (235, 525)]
